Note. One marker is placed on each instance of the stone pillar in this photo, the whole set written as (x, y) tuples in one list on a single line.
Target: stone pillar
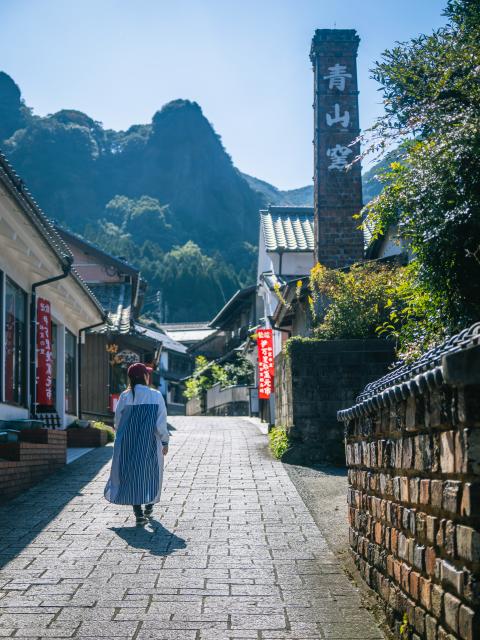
[(338, 191)]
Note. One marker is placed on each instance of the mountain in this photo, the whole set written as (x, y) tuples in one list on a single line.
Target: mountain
[(165, 195), (292, 198), (303, 196)]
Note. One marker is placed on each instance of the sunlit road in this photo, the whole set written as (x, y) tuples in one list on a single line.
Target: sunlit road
[(232, 553)]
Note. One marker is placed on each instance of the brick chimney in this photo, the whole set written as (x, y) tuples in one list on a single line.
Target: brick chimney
[(338, 191)]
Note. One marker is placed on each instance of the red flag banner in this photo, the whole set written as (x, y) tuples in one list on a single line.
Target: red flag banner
[(266, 365), (44, 353)]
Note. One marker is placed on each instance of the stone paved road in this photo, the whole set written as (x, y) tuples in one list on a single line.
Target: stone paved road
[(233, 552)]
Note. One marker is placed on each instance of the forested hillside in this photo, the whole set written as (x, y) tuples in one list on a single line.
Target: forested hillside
[(165, 195)]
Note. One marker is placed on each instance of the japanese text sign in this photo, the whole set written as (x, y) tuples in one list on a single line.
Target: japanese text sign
[(44, 353), (266, 365)]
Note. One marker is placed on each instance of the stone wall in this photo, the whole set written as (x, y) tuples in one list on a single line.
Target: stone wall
[(195, 407), (228, 401), (413, 453), (313, 382), (218, 401)]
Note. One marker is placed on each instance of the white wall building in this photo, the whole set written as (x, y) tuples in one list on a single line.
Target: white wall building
[(30, 252), (285, 252)]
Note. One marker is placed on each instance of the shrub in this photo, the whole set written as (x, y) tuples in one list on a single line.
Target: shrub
[(206, 374), (352, 304), (278, 441), (104, 427)]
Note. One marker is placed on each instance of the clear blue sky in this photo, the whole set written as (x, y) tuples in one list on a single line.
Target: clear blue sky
[(244, 61)]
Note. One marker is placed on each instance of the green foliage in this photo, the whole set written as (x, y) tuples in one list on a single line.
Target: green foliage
[(354, 303), (405, 630), (432, 193), (198, 383), (166, 195), (278, 441), (240, 371), (415, 320), (190, 283), (104, 427), (206, 374), (290, 343)]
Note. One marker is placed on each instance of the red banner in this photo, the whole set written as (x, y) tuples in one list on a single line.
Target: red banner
[(9, 347), (266, 365), (44, 353)]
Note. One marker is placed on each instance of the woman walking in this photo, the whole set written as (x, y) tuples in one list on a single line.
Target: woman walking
[(140, 446)]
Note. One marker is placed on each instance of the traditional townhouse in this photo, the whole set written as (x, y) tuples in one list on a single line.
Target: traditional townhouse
[(110, 348), (285, 255), (45, 308), (174, 365)]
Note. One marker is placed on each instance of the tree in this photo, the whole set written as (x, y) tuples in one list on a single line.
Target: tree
[(431, 87), (145, 219), (13, 113)]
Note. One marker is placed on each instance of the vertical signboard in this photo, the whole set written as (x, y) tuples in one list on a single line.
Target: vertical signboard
[(44, 353), (266, 364), (337, 189)]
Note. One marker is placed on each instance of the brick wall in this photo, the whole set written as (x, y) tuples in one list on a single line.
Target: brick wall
[(313, 382), (22, 464), (413, 453), (337, 192)]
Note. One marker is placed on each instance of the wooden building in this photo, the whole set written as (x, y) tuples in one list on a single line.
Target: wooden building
[(111, 348)]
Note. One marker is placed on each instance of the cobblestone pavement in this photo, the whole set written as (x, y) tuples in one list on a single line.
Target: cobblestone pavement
[(233, 552)]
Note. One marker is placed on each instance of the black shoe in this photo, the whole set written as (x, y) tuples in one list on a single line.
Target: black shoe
[(140, 521), (148, 510)]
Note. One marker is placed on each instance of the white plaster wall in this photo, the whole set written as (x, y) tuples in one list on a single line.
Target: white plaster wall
[(392, 244), (264, 259), (297, 264)]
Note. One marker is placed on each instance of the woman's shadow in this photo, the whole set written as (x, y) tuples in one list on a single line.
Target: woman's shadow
[(152, 537)]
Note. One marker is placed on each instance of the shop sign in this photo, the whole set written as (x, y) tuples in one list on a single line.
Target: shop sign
[(266, 365), (44, 353), (127, 357)]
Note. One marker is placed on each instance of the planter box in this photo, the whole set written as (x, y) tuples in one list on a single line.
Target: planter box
[(89, 437)]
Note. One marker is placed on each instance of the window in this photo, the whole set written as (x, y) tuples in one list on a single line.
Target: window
[(15, 344), (70, 373), (54, 361)]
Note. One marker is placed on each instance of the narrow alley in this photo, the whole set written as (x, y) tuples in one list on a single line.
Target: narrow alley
[(232, 552)]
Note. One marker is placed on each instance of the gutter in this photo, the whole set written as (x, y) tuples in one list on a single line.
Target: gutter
[(271, 319), (66, 268)]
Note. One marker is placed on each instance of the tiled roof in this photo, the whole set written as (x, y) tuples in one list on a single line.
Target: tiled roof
[(235, 301), (161, 336), (116, 299), (187, 332), (288, 228), (272, 279), (183, 326)]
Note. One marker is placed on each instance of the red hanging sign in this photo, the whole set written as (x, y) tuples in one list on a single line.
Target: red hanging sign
[(266, 364), (44, 353)]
